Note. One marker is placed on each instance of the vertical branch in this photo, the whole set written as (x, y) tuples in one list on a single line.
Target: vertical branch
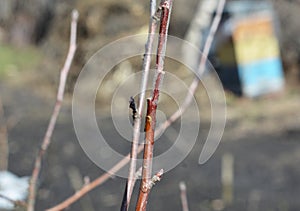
[(124, 205), (200, 71), (227, 178), (101, 179), (137, 122), (4, 149), (57, 107), (152, 106), (183, 196), (148, 155), (211, 35)]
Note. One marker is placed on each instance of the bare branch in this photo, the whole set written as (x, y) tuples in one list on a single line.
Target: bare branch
[(90, 186), (137, 123), (100, 180), (57, 107), (183, 196), (152, 106), (124, 205), (156, 178)]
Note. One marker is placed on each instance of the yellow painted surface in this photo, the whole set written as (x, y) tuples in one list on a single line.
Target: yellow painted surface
[(254, 39)]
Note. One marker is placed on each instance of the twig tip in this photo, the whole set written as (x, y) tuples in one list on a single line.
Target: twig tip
[(182, 186), (75, 14)]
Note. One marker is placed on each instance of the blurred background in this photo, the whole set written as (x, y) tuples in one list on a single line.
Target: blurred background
[(256, 53)]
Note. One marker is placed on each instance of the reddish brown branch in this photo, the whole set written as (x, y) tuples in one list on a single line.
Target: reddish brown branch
[(100, 180), (148, 155), (142, 201), (57, 107), (163, 33), (152, 107)]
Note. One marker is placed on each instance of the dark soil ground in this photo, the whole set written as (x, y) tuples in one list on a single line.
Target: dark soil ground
[(262, 135)]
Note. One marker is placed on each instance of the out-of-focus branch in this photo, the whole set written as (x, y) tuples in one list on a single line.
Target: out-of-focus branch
[(90, 186), (103, 178), (124, 205), (60, 94), (201, 68), (4, 149), (137, 122), (183, 196), (16, 203), (150, 124)]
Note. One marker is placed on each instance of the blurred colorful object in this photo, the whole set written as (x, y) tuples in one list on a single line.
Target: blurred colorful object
[(258, 57), (248, 50)]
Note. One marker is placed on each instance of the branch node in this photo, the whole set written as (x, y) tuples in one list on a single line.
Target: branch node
[(157, 14), (156, 178), (86, 180)]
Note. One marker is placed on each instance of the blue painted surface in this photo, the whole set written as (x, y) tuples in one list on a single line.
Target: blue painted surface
[(261, 77)]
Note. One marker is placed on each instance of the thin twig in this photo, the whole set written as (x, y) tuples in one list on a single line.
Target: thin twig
[(90, 186), (77, 181), (152, 107), (156, 178), (16, 203), (57, 107), (137, 123), (183, 196), (124, 205), (103, 178)]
